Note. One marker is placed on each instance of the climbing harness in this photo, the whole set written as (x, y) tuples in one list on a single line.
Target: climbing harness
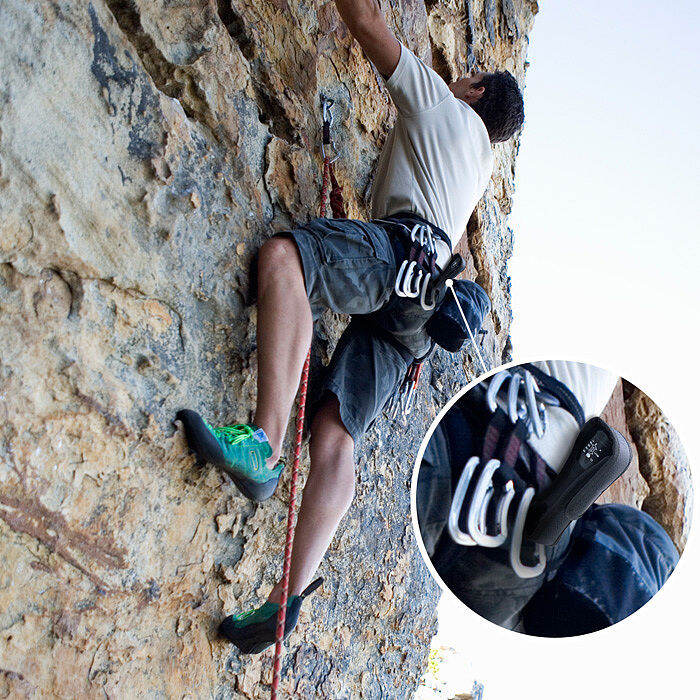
[(546, 503), (420, 279), (447, 327), (330, 187)]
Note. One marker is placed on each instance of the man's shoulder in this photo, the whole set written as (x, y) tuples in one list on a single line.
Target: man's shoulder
[(414, 86)]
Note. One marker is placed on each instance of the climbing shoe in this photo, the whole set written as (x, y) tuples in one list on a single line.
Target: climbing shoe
[(599, 456), (241, 451), (255, 630)]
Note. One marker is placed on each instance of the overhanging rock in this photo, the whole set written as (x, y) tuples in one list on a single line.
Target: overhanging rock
[(146, 150)]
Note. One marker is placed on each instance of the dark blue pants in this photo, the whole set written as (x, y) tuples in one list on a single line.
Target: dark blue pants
[(618, 559)]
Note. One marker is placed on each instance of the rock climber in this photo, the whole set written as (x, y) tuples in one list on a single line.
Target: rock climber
[(593, 570), (434, 167)]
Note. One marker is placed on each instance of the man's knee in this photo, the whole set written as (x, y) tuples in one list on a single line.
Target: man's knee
[(279, 258), (333, 447), (329, 428)]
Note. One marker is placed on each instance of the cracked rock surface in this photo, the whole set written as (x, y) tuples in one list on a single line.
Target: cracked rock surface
[(658, 479), (147, 148)]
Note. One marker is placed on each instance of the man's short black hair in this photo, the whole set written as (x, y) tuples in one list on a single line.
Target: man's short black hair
[(501, 105)]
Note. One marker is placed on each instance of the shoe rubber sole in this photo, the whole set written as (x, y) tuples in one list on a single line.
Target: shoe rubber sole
[(255, 638), (205, 446), (600, 455)]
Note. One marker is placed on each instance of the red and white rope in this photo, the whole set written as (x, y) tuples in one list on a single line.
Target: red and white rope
[(338, 210)]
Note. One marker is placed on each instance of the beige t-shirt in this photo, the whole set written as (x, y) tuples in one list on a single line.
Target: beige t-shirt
[(437, 160), (592, 386)]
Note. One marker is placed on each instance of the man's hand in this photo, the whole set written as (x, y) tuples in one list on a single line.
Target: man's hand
[(365, 20)]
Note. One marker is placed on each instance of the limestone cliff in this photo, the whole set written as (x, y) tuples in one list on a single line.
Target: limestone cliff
[(663, 464), (658, 478), (147, 147)]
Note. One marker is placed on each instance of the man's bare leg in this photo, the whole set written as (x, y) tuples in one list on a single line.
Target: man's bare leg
[(284, 333), (328, 494)]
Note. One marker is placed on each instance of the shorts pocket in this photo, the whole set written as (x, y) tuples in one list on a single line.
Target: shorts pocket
[(348, 241)]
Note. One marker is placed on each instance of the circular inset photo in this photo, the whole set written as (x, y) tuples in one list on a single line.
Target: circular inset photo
[(552, 498)]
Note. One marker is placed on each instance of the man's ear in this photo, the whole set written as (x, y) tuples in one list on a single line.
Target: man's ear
[(476, 92)]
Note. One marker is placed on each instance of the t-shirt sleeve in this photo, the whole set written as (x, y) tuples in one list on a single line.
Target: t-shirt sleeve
[(414, 87)]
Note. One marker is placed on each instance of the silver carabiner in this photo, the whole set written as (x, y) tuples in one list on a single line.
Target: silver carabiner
[(479, 500), (427, 306), (398, 285), (476, 517), (458, 535), (530, 409), (406, 285), (501, 512), (520, 569), (478, 505)]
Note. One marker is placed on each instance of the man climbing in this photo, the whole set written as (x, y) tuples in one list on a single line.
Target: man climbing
[(434, 168)]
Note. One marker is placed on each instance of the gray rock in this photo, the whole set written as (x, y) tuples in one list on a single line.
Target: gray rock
[(146, 150)]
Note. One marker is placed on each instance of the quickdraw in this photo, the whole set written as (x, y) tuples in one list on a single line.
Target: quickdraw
[(330, 183), (402, 401)]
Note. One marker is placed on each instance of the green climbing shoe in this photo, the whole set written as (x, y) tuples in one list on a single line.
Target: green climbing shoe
[(241, 451), (255, 630)]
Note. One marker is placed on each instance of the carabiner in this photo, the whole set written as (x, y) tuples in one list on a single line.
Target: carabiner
[(459, 536), (522, 570), (398, 285), (424, 292), (328, 118), (477, 503), (327, 106), (476, 531), (501, 512), (494, 386), (406, 288)]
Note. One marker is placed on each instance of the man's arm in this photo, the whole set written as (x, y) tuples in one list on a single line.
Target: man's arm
[(365, 20)]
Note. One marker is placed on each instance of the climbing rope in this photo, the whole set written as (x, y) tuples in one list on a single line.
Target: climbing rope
[(338, 210), (291, 525)]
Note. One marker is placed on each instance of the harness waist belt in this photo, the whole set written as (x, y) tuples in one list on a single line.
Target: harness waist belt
[(401, 225)]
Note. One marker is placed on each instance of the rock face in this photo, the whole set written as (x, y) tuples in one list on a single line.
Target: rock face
[(663, 463), (658, 479), (147, 148), (631, 488)]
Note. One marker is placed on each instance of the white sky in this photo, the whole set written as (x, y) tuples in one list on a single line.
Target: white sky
[(607, 259), (606, 269)]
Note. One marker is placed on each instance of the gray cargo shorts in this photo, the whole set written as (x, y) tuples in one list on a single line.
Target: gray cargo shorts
[(350, 267)]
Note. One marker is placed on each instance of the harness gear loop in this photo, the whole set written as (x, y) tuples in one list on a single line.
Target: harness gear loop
[(338, 211)]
